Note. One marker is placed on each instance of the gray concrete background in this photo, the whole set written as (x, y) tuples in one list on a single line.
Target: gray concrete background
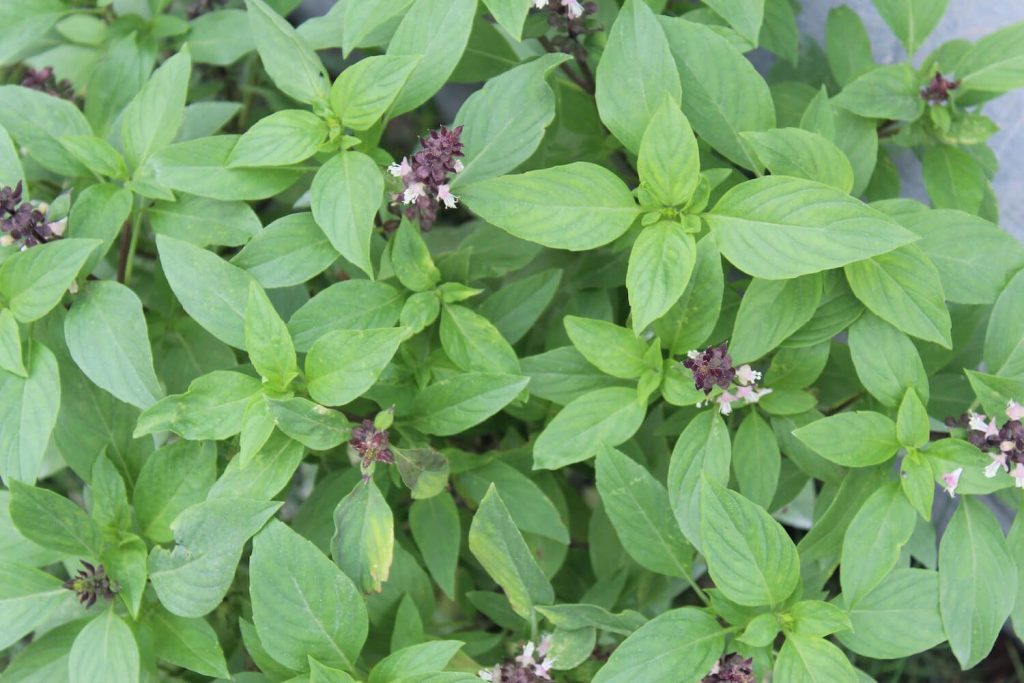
[(968, 19)]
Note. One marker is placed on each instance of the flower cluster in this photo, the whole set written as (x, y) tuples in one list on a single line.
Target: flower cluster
[(20, 221), (426, 177), (713, 367), (43, 80), (937, 90), (1004, 444), (91, 583), (731, 668), (371, 444), (573, 9), (525, 668)]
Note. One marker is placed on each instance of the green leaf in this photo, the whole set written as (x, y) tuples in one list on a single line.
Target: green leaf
[(192, 579), (213, 408), (188, 643), (434, 523), (474, 344), (605, 417), (745, 16), (345, 196), (635, 75), (289, 60), (151, 120), (817, 618), (689, 322), (28, 597), (211, 290), (770, 311), (898, 618), (172, 479), (577, 207), (363, 19), (638, 507), (777, 228), (411, 261), (28, 21), (97, 155), (912, 425), (992, 260), (668, 161), (510, 15), (220, 37), (977, 582), (37, 121), (515, 308), (802, 154), (911, 20), (918, 483), (995, 63), (105, 650), (52, 521), (954, 179), (505, 121), (349, 305), (737, 99), (437, 32), (903, 288), (108, 498), (415, 661), (290, 251), (364, 537), (302, 604), (808, 659), (423, 470), (497, 544), (855, 439), (11, 357), (703, 448), (534, 512), (660, 266), (886, 361), (614, 350), (33, 281), (749, 555), (681, 644), (367, 89), (203, 222), (885, 92), (574, 617), (756, 460), (1004, 338), (455, 404), (312, 425), (874, 540), (124, 365), (285, 137), (28, 413), (266, 474), (342, 365), (200, 167), (267, 340)]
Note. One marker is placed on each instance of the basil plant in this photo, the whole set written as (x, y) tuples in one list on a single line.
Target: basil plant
[(430, 341)]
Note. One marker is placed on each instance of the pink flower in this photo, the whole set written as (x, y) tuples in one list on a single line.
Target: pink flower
[(400, 170), (725, 400), (573, 8), (751, 394), (457, 165), (952, 479), (1018, 475), (444, 195), (998, 463), (413, 192), (978, 424), (1014, 410), (747, 375)]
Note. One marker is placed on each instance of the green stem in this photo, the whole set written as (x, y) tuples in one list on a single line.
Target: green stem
[(697, 589), (134, 243)]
